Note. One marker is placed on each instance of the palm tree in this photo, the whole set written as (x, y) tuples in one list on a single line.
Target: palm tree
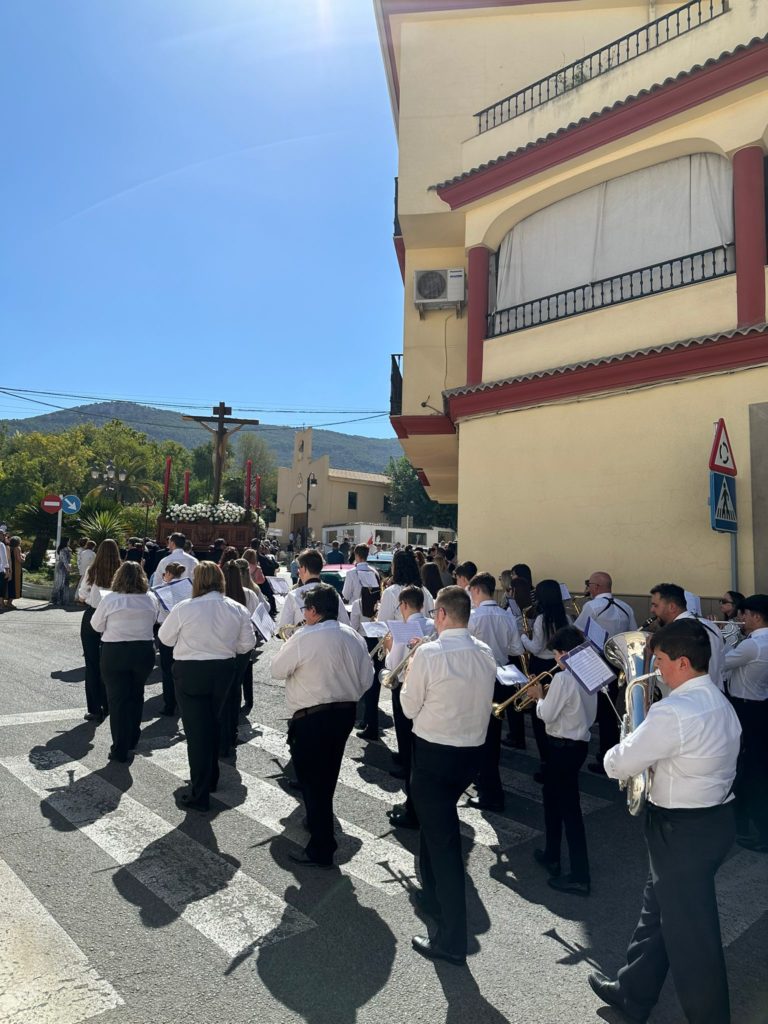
[(33, 523), (134, 488), (104, 524)]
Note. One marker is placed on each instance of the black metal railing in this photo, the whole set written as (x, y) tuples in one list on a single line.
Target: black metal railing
[(397, 230), (396, 387), (634, 284), (648, 37)]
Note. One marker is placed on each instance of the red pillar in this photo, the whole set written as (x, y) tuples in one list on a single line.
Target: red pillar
[(477, 311), (749, 226)]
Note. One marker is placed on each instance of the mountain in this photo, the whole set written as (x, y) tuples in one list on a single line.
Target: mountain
[(346, 451)]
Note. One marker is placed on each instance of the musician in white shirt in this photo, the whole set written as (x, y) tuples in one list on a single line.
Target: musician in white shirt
[(178, 553), (206, 632), (496, 628), (405, 573), (326, 668), (361, 575), (85, 556), (125, 617), (748, 693), (96, 579), (310, 567), (447, 693), (668, 603), (689, 742), (568, 712)]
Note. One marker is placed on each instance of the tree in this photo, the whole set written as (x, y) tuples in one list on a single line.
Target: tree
[(251, 446), (407, 497)]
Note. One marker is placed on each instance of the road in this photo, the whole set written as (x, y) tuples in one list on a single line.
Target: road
[(118, 908)]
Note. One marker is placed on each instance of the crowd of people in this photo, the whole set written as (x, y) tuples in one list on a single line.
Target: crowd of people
[(452, 634), (11, 569)]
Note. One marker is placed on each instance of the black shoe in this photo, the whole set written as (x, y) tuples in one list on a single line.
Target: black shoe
[(610, 992), (189, 804), (397, 773), (112, 756), (400, 820), (566, 884), (92, 716), (552, 866), (754, 844), (366, 734), (424, 945), (481, 804), (307, 861), (596, 768)]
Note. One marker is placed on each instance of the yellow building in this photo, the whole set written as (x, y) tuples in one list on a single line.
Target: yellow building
[(596, 168), (335, 496)]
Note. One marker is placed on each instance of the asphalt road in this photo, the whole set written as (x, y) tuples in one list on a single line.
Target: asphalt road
[(117, 907)]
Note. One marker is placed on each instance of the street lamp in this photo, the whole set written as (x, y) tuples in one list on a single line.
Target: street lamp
[(109, 474), (311, 482)]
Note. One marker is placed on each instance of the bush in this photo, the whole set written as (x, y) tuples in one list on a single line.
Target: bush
[(107, 524)]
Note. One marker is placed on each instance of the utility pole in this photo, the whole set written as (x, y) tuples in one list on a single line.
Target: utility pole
[(224, 427)]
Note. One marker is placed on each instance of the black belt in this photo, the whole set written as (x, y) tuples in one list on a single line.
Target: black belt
[(747, 700), (303, 712), (563, 741), (686, 812)]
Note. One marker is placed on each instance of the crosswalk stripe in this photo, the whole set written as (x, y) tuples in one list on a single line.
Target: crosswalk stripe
[(31, 717), (360, 853), (486, 828), (742, 893), (44, 975), (222, 903)]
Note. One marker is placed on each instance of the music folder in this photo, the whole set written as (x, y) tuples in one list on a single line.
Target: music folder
[(510, 675), (588, 668), (279, 584), (170, 594)]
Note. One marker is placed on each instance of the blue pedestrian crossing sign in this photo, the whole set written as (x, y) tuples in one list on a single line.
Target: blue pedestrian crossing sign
[(71, 504), (722, 503)]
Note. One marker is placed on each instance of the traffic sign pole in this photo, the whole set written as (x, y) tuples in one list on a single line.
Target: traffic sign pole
[(58, 527)]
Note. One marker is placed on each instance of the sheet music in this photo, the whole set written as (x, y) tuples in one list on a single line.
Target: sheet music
[(595, 633), (565, 592), (588, 668), (169, 594), (404, 632), (261, 619), (374, 629), (279, 584), (510, 675)]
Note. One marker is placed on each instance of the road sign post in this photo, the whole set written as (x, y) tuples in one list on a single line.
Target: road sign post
[(722, 494)]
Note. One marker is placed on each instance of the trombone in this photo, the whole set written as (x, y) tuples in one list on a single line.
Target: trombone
[(378, 651), (523, 697)]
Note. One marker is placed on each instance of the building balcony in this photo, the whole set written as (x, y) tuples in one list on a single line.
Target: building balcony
[(620, 51), (633, 284)]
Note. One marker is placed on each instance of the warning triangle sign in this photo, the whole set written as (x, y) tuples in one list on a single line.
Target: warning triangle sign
[(725, 510), (721, 457)]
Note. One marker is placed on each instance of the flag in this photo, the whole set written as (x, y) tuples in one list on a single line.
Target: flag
[(370, 541)]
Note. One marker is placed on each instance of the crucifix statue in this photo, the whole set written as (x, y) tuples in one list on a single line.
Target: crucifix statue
[(225, 426)]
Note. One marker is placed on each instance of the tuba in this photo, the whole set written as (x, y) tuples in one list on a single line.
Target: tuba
[(627, 652)]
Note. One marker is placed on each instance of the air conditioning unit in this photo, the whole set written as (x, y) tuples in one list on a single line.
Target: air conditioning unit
[(439, 289)]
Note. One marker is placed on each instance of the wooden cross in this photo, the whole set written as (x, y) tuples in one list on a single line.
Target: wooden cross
[(224, 427)]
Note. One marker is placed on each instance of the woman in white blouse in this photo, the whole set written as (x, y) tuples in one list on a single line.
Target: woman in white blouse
[(96, 578), (206, 632), (234, 589), (125, 617), (405, 572)]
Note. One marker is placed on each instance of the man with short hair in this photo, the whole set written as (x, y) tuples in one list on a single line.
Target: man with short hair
[(464, 573), (310, 566), (668, 604), (491, 624), (748, 693), (690, 743), (178, 553), (326, 669), (447, 693), (362, 575), (334, 556)]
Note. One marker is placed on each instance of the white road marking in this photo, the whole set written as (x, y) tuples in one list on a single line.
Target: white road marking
[(45, 978), (742, 893), (270, 806), (31, 717), (221, 902), (487, 829)]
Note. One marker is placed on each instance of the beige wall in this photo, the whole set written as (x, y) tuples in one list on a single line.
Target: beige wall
[(618, 483)]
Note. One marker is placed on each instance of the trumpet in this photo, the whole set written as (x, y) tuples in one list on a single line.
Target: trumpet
[(286, 632), (388, 676), (522, 698), (378, 650)]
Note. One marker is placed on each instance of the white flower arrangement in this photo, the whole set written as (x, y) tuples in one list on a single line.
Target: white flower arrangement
[(224, 512)]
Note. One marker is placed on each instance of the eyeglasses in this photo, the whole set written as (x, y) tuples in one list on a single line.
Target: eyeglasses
[(724, 600)]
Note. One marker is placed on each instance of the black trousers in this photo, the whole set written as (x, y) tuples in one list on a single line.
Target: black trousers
[(679, 928), (231, 714), (125, 668), (317, 743), (370, 699), (439, 776), (488, 780), (95, 693), (404, 736), (538, 665), (202, 688), (562, 807), (751, 785), (247, 682), (166, 667)]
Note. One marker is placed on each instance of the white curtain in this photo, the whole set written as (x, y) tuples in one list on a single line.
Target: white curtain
[(659, 213)]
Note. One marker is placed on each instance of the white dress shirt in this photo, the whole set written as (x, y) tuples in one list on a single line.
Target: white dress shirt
[(748, 666), (609, 613), (691, 740), (356, 617), (448, 689), (353, 584), (177, 555), (208, 628), (84, 558), (567, 710), (91, 594), (496, 628), (4, 560), (717, 648), (323, 664), (399, 651), (125, 617), (538, 644), (389, 605), (292, 612)]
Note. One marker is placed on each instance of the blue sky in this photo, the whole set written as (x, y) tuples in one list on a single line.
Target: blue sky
[(197, 205)]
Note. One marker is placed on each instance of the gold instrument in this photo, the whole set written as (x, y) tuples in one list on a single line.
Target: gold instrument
[(286, 632), (523, 697), (527, 627), (378, 651), (388, 676)]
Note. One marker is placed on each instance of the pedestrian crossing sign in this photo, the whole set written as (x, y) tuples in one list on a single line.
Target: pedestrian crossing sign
[(722, 503)]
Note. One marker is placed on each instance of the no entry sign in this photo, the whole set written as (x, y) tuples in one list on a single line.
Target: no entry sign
[(51, 503)]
